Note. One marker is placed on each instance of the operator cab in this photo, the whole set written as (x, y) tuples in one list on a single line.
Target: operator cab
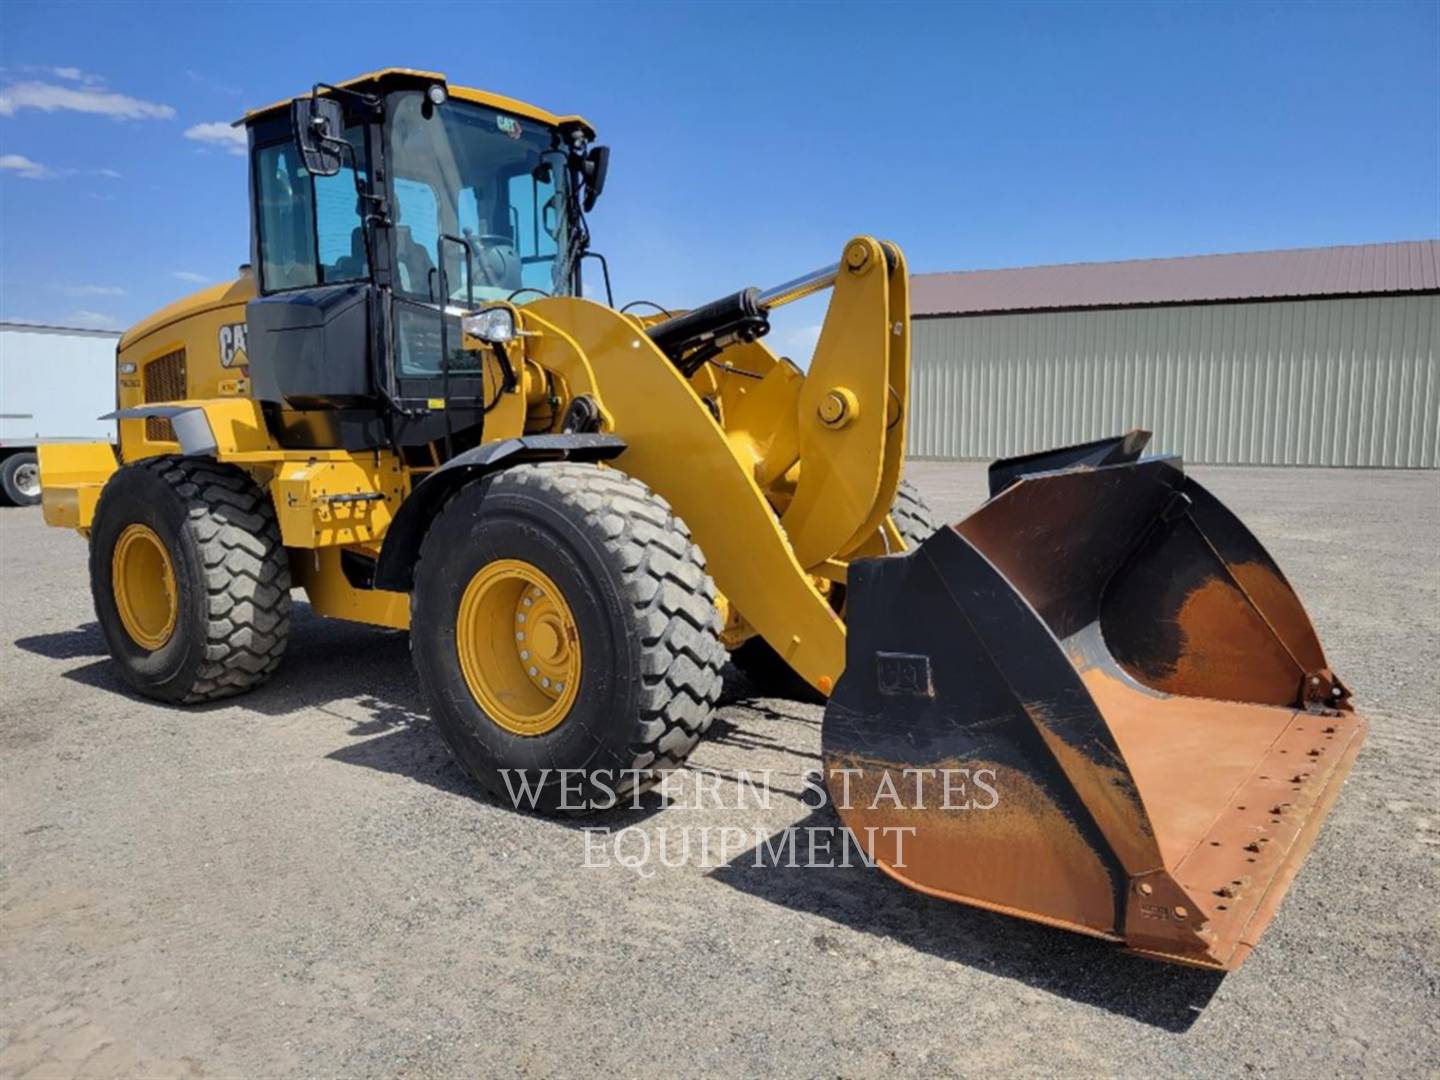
[(383, 209)]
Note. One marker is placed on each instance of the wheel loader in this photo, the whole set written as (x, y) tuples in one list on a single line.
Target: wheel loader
[(409, 407)]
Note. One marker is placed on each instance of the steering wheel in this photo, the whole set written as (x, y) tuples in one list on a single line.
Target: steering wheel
[(497, 263)]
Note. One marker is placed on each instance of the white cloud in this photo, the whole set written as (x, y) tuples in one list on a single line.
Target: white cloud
[(34, 170), (72, 74), (23, 166), (47, 97), (92, 290), (91, 320), (190, 276), (218, 133)]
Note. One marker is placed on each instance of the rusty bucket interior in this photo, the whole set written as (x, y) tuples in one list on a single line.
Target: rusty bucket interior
[(1111, 652)]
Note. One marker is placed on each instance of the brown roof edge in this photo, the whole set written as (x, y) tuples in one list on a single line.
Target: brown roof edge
[(1407, 267), (1393, 294)]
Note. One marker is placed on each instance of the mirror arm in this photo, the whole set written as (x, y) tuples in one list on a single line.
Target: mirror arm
[(370, 102)]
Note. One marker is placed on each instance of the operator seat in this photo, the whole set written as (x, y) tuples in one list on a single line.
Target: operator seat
[(351, 267), (414, 268)]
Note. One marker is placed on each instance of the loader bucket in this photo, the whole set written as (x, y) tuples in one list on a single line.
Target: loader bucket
[(1096, 703)]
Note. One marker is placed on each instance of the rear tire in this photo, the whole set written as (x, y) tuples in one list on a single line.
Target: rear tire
[(226, 577), (20, 479), (762, 665), (638, 610)]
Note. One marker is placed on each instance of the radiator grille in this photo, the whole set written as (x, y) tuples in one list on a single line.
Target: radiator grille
[(164, 381)]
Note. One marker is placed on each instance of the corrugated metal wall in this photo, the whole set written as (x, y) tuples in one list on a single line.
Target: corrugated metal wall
[(1310, 382)]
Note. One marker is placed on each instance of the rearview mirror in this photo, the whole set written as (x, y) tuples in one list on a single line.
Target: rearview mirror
[(597, 164), (319, 123)]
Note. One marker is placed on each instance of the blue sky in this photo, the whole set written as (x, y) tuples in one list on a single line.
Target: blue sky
[(749, 140)]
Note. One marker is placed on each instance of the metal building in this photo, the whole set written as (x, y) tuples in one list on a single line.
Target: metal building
[(1321, 356)]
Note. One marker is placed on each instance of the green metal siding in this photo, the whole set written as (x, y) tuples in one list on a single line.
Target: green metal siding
[(1309, 382)]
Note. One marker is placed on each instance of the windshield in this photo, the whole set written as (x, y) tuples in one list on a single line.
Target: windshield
[(496, 180)]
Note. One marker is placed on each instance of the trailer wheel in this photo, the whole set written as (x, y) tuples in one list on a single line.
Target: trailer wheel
[(20, 479), (566, 635), (762, 665), (190, 580)]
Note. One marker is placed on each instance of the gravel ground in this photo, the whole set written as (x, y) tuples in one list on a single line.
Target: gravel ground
[(300, 881)]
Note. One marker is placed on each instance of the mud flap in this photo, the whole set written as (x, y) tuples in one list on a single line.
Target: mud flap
[(1096, 703)]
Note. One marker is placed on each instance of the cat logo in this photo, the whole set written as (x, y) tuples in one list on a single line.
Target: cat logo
[(232, 345)]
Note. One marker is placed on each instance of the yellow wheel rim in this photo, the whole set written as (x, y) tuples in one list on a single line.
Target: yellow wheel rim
[(143, 579), (519, 647)]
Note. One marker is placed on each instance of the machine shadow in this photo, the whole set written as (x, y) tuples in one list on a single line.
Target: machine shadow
[(398, 737), (1059, 962), (348, 670), (83, 641), (368, 672), (325, 661)]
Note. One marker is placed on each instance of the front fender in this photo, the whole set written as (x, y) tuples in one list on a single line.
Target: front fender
[(395, 569)]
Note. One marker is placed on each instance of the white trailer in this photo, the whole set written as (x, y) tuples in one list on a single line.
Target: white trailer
[(55, 384)]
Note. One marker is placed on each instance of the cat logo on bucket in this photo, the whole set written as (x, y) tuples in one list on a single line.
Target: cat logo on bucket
[(232, 345)]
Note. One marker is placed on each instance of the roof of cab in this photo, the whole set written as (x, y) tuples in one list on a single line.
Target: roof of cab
[(463, 93)]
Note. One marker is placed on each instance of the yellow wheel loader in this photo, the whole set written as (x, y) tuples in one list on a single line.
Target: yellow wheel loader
[(407, 407)]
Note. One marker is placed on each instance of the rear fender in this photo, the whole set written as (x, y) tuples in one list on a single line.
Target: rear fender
[(227, 429), (72, 476)]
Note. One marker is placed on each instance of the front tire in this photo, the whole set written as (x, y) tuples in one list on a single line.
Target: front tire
[(565, 634), (913, 518), (190, 580)]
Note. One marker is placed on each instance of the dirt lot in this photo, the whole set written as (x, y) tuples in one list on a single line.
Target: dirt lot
[(300, 881)]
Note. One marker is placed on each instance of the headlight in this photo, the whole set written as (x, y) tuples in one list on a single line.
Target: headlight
[(494, 325)]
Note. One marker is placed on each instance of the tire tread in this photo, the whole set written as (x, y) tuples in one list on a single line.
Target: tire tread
[(246, 574), (672, 600)]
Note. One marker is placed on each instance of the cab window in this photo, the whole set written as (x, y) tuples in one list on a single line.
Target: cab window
[(534, 223), (417, 231), (310, 226)]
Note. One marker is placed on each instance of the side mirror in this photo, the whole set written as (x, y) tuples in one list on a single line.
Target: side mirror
[(597, 164), (319, 123)]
